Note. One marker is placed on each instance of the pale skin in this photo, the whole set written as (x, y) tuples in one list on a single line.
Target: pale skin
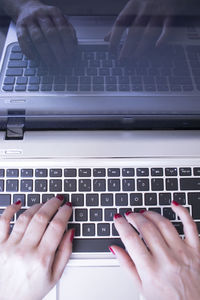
[(34, 256)]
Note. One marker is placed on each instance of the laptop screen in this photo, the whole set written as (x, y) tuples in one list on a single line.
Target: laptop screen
[(132, 64)]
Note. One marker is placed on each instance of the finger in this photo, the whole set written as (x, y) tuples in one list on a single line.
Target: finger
[(166, 32), (62, 256), (150, 36), (22, 223), (25, 42), (133, 244), (41, 45), (150, 234), (107, 37), (127, 263), (124, 20), (52, 37), (166, 229), (5, 219), (39, 222), (53, 235), (190, 228)]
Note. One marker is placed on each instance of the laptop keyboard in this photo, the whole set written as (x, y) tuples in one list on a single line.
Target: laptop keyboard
[(172, 69), (97, 194)]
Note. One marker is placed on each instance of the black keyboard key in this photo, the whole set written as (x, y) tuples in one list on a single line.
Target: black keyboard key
[(128, 185), (103, 229), (128, 172), (155, 209), (191, 184), (121, 199), (12, 185), (70, 172), (33, 199), (55, 173), (26, 185), (46, 87), (59, 87), (136, 199), (12, 173), (157, 184), (41, 185), (185, 171), (17, 64), (196, 171), (99, 172), (113, 185), (88, 229), (114, 230), (41, 173), (33, 88), (70, 185), (84, 172), (180, 198), (29, 72), (9, 80), (169, 213), (99, 185), (81, 214), (77, 199), (22, 80), (194, 200), (84, 185), (76, 227), (27, 173), (2, 172), (124, 210), (95, 245), (113, 172), (1, 185), (92, 200), (8, 88), (165, 199), (55, 185), (47, 197), (142, 172), (19, 197), (5, 200), (179, 227), (106, 199), (95, 214), (20, 88), (198, 226), (150, 199), (14, 72), (138, 209), (171, 172), (109, 214), (171, 184), (143, 184)]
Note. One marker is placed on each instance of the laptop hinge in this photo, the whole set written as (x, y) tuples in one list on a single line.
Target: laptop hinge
[(15, 128)]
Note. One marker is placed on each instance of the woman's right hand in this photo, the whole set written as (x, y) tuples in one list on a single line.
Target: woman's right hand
[(165, 266), (45, 32)]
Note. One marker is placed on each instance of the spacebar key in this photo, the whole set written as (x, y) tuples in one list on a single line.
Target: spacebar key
[(95, 245), (190, 184)]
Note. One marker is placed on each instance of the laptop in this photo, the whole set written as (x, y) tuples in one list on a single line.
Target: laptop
[(48, 145)]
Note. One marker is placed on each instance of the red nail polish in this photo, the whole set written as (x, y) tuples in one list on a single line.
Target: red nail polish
[(72, 235), (116, 216), (18, 202), (111, 250), (142, 211), (175, 203), (128, 212), (69, 204), (60, 197)]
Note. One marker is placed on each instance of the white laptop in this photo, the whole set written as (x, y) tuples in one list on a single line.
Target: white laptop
[(101, 171)]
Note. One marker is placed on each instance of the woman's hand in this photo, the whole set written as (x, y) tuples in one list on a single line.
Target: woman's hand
[(148, 23), (44, 31), (34, 255), (167, 267)]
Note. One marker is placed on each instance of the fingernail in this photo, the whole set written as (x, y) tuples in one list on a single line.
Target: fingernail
[(72, 235), (18, 202), (128, 212), (116, 216), (111, 250), (142, 211), (60, 197), (175, 203), (69, 204)]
